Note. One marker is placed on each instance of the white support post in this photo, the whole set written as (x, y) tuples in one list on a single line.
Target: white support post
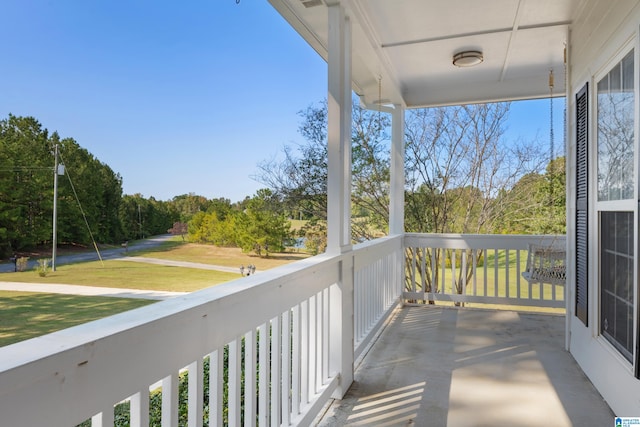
[(339, 132), (396, 191), (339, 196), (341, 328)]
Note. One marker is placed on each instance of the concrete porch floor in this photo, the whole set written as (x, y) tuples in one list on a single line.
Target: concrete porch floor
[(447, 367)]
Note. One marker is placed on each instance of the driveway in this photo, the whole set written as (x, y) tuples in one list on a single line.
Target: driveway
[(93, 256)]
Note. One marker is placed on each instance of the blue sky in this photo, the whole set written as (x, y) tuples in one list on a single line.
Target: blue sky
[(176, 97)]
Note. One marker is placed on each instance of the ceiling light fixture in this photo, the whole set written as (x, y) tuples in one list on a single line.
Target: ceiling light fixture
[(468, 58)]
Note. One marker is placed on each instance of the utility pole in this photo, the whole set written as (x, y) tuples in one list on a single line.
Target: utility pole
[(55, 209)]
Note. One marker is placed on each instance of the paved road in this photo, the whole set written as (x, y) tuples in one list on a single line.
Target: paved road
[(93, 256)]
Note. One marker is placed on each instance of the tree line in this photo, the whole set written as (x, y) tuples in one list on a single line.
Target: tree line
[(461, 176), (90, 189)]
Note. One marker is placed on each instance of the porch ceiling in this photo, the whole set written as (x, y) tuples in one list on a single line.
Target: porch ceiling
[(408, 46)]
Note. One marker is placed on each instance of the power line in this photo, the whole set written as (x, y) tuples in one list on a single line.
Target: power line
[(82, 210), (26, 168)]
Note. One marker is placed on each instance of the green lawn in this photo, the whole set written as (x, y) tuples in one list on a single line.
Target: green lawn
[(124, 274), (213, 255), (25, 315)]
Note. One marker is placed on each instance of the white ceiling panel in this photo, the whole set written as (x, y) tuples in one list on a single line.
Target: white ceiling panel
[(408, 46)]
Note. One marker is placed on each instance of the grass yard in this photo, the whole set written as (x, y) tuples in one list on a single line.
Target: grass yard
[(228, 257), (124, 274), (25, 315)]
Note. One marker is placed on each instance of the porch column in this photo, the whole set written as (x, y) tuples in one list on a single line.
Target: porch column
[(339, 132), (339, 196), (396, 191)]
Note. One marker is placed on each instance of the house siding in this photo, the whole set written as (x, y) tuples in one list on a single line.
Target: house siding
[(600, 32)]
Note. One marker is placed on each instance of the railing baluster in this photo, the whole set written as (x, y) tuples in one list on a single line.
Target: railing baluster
[(423, 275), (320, 322), (463, 270), (518, 272), (454, 278), (474, 261), (325, 335), (250, 378), (285, 362), (196, 393), (170, 401), (496, 274), (103, 419), (139, 408), (414, 254), (263, 374), (484, 265), (357, 322), (305, 356), (216, 392), (234, 369), (296, 356), (434, 267), (506, 273), (313, 353), (275, 371), (443, 269)]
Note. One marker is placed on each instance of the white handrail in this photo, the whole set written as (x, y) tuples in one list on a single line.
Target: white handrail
[(291, 332)]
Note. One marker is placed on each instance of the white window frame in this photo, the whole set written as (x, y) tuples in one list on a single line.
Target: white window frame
[(627, 205)]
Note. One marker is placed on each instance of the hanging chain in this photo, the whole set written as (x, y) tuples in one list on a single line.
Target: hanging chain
[(379, 104), (551, 140), (566, 92), (552, 148)]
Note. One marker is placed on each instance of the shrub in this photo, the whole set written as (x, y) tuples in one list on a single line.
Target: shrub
[(43, 267), (22, 263)]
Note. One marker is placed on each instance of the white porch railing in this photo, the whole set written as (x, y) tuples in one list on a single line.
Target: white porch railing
[(484, 269), (282, 333), (279, 344)]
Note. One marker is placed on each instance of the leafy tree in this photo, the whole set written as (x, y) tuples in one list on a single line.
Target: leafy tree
[(459, 171), (141, 217), (300, 178), (25, 183), (457, 163), (537, 202), (187, 205), (179, 229), (26, 189), (315, 236), (208, 228), (263, 227)]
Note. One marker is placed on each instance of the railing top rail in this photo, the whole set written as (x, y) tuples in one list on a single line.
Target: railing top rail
[(481, 241), (252, 292)]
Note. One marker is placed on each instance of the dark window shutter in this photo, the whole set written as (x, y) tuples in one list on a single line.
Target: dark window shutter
[(582, 194)]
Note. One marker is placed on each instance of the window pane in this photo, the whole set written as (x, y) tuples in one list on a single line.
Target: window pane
[(616, 132), (616, 279)]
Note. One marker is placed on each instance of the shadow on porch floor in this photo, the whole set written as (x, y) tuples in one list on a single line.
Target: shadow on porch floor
[(447, 367)]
